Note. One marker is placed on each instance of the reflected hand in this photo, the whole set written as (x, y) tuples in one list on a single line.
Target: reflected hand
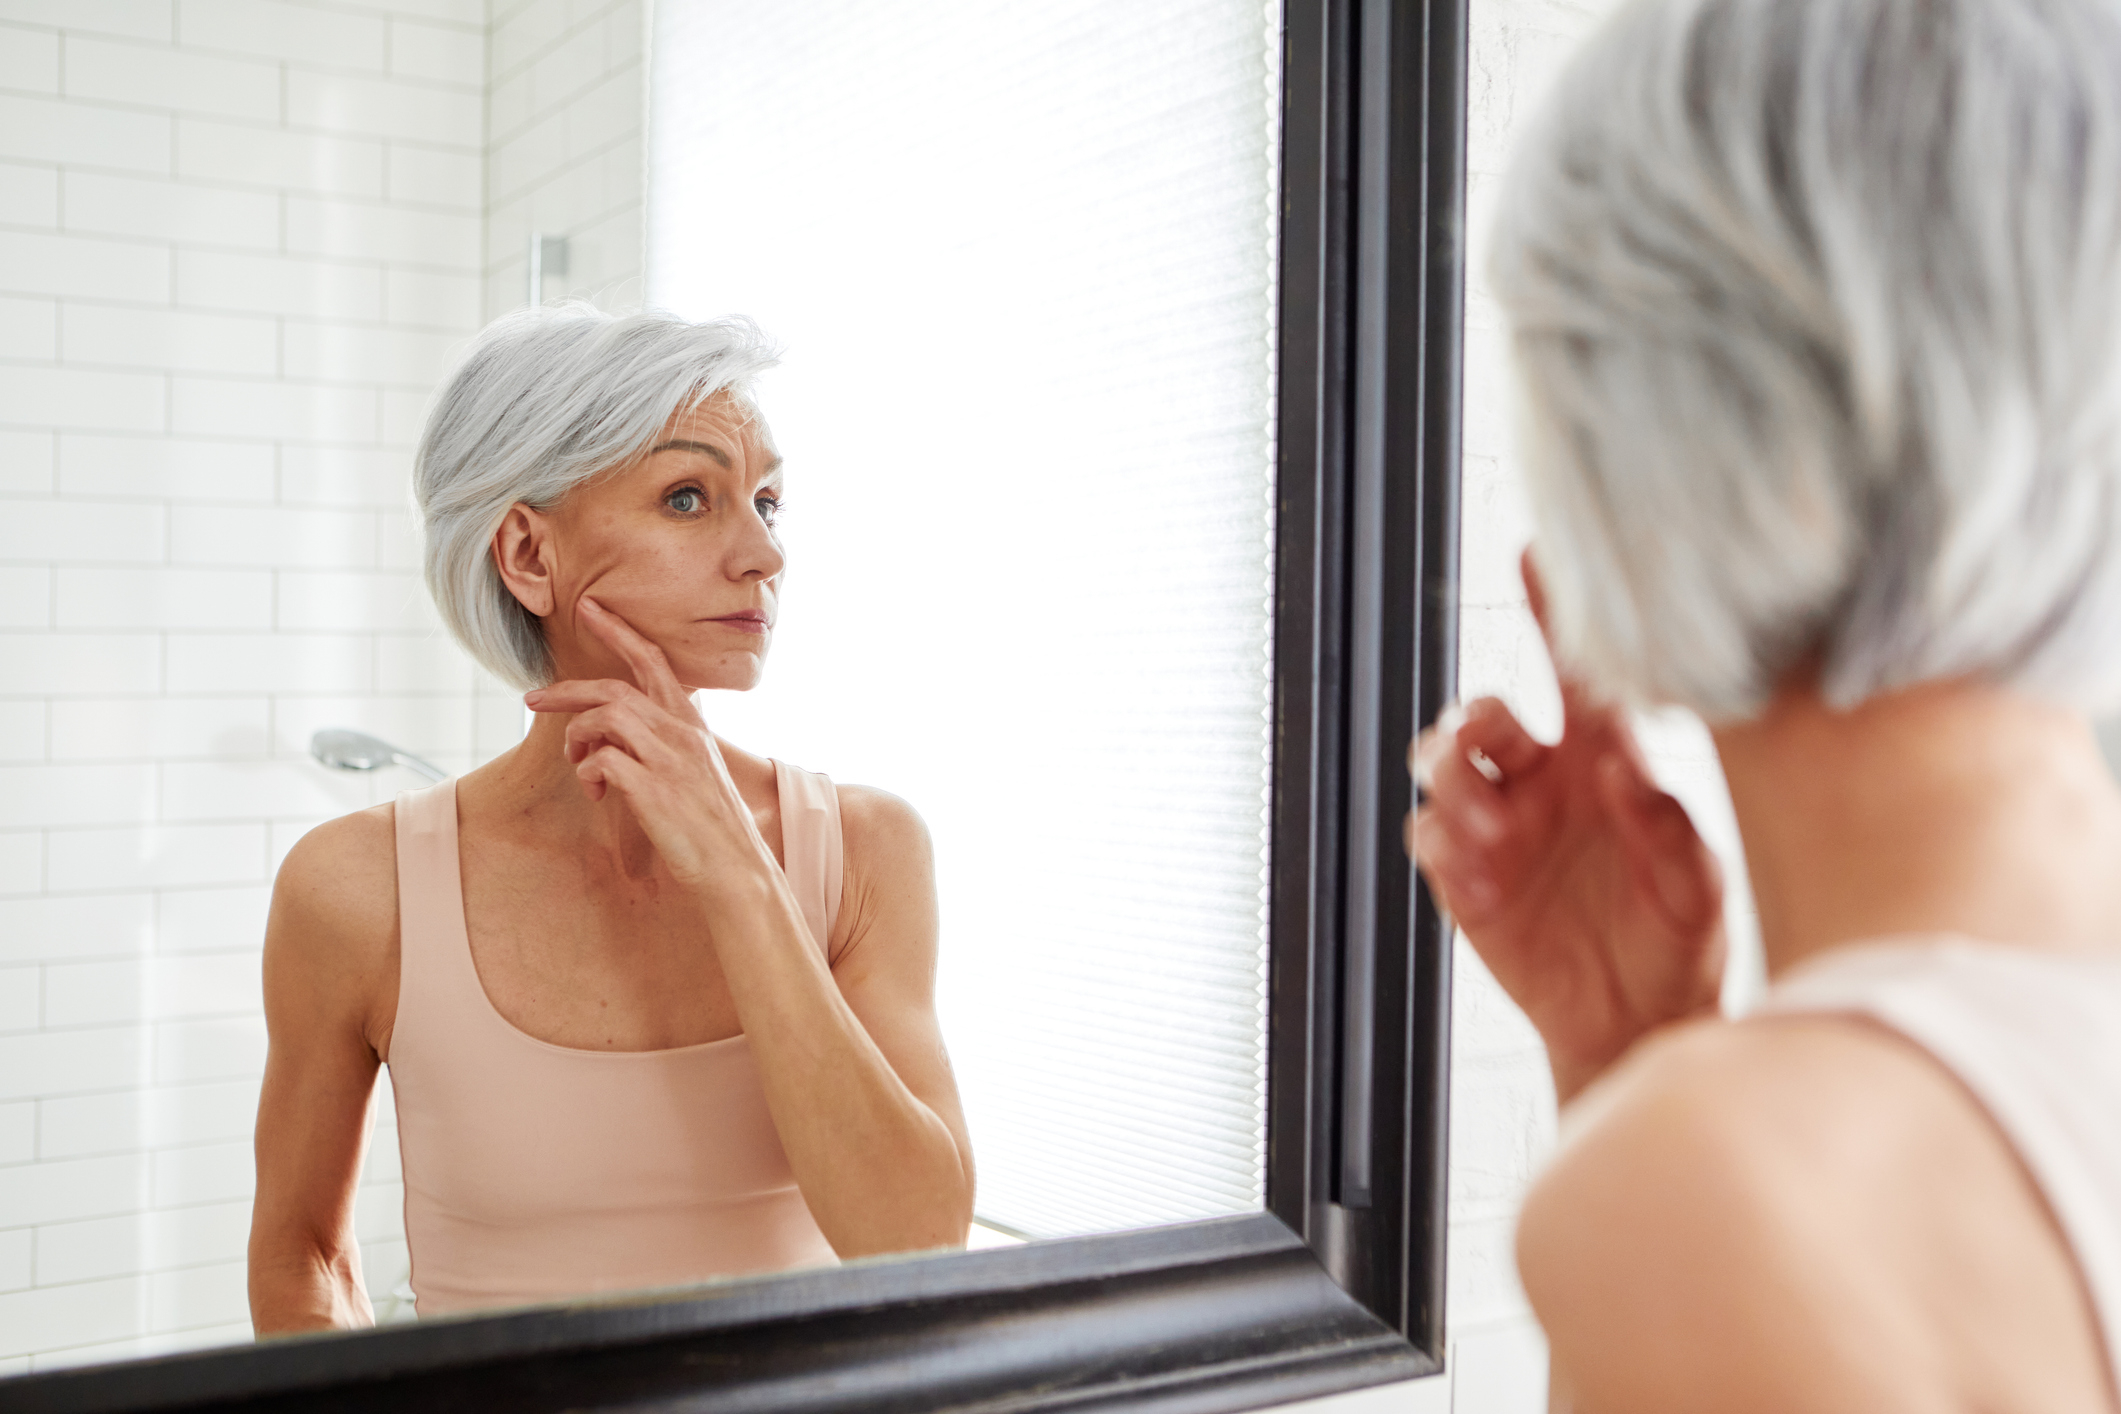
[(1583, 887), (649, 743)]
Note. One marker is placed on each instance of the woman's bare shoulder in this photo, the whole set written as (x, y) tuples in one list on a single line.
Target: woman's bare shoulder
[(889, 892), (363, 843), (1788, 1079), (1714, 1208), (1753, 1113), (880, 824), (335, 899)]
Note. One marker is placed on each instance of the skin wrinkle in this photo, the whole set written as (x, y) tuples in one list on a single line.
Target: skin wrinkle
[(544, 402)]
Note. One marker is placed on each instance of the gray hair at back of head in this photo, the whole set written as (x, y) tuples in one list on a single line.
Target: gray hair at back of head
[(545, 400), (1817, 310)]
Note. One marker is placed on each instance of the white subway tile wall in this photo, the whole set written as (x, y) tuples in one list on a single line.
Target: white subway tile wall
[(566, 109), (240, 240)]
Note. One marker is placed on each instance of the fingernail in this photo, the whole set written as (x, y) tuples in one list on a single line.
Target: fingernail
[(530, 699), (1485, 825)]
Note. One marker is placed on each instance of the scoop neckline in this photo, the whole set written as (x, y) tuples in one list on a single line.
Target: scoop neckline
[(479, 983)]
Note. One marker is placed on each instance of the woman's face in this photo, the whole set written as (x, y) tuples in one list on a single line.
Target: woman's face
[(680, 545)]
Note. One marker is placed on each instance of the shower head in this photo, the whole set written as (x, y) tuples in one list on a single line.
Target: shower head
[(358, 751)]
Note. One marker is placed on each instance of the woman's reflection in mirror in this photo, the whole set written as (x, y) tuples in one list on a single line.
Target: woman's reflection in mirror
[(1817, 307), (656, 1009)]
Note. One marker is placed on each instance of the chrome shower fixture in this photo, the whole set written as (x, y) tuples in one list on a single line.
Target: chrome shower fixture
[(358, 751)]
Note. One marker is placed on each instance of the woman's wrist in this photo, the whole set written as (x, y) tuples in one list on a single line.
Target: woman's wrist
[(1576, 1067), (736, 892), (1574, 1074)]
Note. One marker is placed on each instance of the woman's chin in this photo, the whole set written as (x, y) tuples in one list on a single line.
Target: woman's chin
[(731, 673)]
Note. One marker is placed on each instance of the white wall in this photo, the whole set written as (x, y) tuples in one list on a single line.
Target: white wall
[(238, 241), (565, 117)]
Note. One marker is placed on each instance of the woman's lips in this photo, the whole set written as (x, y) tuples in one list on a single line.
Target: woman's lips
[(750, 621)]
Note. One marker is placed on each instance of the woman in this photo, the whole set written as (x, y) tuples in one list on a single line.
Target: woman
[(656, 1009), (1817, 305)]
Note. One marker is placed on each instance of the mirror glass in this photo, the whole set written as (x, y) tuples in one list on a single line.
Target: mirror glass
[(1019, 262)]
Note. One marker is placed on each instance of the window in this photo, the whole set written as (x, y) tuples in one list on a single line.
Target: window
[(1022, 259)]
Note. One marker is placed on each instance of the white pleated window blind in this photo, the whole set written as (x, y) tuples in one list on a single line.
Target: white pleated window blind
[(1021, 260)]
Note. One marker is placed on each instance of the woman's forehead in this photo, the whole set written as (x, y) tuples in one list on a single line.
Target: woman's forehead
[(728, 429), (725, 417)]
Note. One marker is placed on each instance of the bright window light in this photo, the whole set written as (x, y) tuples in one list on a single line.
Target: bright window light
[(1021, 259)]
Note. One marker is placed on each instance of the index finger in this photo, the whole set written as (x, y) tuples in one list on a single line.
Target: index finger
[(1579, 703), (1485, 734), (578, 695), (651, 668)]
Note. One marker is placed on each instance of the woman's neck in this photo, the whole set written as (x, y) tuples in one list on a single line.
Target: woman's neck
[(534, 781), (1947, 808)]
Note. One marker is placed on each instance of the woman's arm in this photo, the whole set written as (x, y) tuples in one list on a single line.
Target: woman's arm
[(852, 1061), (330, 998), (853, 1070)]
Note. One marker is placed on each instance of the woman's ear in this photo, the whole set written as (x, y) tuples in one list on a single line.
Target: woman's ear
[(522, 552)]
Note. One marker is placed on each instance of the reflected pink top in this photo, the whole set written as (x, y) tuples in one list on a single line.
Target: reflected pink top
[(536, 1172)]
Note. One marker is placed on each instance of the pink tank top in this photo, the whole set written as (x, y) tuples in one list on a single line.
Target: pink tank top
[(536, 1172)]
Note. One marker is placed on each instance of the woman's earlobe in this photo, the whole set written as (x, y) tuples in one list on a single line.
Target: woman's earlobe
[(519, 558)]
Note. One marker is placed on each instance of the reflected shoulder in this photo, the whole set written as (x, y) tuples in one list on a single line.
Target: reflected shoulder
[(881, 823), (337, 890), (890, 871), (361, 843)]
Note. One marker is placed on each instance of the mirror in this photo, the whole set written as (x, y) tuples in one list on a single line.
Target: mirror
[(1022, 268)]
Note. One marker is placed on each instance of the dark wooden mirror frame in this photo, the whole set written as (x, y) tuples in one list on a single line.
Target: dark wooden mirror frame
[(1340, 1282)]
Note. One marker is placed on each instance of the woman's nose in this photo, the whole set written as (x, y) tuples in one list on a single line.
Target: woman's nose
[(757, 553)]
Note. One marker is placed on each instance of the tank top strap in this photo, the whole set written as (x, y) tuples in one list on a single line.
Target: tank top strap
[(813, 850), (436, 979)]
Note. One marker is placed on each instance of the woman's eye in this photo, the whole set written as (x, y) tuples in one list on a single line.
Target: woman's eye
[(769, 509), (684, 502)]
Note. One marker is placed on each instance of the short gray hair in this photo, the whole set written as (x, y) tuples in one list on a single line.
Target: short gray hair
[(545, 400), (1817, 310)]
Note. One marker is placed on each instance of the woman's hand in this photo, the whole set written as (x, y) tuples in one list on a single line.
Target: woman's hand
[(650, 745), (1582, 886)]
